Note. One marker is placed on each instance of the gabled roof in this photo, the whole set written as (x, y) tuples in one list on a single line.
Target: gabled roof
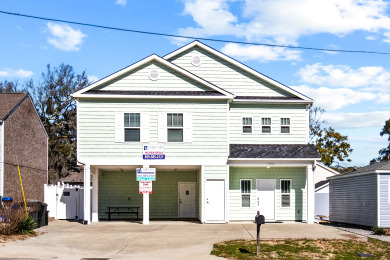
[(239, 65), (273, 151), (9, 102), (375, 168), (153, 57)]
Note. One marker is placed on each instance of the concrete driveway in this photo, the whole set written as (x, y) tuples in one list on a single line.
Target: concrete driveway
[(159, 240)]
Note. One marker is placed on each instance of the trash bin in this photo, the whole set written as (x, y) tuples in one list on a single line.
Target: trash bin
[(38, 212)]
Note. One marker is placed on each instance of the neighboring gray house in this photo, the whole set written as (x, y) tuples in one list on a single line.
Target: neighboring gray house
[(362, 197)]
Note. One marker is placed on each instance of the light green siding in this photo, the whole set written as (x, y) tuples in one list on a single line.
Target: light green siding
[(116, 187), (96, 128), (169, 80), (296, 113), (297, 211), (225, 75)]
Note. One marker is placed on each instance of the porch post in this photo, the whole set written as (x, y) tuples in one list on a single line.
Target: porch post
[(145, 209), (95, 184), (87, 194), (310, 194)]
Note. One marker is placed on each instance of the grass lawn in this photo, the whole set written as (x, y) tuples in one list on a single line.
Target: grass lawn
[(302, 249)]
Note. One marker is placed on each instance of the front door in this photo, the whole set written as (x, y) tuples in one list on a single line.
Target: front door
[(215, 201), (266, 197), (187, 199)]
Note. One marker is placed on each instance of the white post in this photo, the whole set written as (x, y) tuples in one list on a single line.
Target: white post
[(310, 194), (145, 210), (87, 194), (95, 184)]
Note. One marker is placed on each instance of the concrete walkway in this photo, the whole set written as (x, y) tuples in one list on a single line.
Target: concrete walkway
[(159, 240)]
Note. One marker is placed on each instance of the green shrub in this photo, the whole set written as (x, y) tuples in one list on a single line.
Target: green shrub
[(27, 226), (378, 231)]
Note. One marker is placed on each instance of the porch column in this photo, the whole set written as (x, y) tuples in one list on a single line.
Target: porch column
[(310, 194), (95, 192), (87, 194)]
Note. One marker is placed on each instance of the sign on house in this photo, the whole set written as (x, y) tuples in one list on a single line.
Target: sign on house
[(153, 152), (145, 187), (146, 174)]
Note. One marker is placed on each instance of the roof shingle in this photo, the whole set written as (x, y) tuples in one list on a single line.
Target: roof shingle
[(273, 151)]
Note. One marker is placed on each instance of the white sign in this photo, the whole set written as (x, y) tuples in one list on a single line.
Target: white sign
[(145, 187), (153, 152), (146, 174)]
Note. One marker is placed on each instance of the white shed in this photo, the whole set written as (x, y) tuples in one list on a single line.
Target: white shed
[(321, 173)]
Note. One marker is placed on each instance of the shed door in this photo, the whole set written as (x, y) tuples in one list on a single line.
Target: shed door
[(266, 197), (215, 201), (187, 199)]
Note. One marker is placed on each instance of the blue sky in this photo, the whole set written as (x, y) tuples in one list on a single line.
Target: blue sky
[(354, 89)]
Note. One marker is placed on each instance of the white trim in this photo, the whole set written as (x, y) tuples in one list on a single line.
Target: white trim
[(194, 64), (327, 168), (156, 58), (280, 188), (267, 101), (102, 161), (310, 194), (224, 199), (227, 128), (227, 192), (2, 161), (378, 192), (250, 193), (321, 187), (147, 96), (238, 64), (273, 159), (150, 75)]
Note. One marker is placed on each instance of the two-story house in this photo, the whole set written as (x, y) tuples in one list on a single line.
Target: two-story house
[(23, 144), (234, 140)]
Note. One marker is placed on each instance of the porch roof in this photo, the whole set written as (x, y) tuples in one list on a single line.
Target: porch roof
[(273, 151)]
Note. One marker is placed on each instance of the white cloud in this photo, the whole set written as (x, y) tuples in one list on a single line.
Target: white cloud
[(333, 99), (284, 21), (16, 73), (121, 2), (357, 120), (92, 78), (368, 78), (64, 37), (261, 53)]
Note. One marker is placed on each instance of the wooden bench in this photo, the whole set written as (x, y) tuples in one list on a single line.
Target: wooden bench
[(122, 211)]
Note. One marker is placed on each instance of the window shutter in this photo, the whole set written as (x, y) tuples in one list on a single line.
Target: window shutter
[(119, 128), (145, 129), (162, 127), (187, 125)]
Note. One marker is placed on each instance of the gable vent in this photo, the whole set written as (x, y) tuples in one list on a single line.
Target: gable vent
[(154, 75), (196, 61)]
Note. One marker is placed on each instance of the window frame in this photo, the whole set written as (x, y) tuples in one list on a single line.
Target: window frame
[(246, 194), (268, 125), (281, 194), (175, 128), (285, 125), (243, 125), (131, 127)]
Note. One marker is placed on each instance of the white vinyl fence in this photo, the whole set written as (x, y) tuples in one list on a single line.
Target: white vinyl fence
[(65, 201)]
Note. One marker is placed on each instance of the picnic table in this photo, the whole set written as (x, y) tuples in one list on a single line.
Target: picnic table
[(122, 211)]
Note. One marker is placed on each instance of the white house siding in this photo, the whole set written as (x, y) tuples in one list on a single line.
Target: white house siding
[(296, 212), (384, 189), (225, 75), (169, 80), (296, 113), (96, 130), (322, 172), (353, 200)]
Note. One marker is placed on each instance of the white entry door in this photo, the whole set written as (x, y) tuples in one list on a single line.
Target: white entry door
[(215, 201), (187, 199), (266, 197)]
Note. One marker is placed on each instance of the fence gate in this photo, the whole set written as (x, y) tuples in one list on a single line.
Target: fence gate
[(65, 201)]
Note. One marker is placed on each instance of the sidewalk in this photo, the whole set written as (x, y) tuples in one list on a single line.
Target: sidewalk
[(159, 240)]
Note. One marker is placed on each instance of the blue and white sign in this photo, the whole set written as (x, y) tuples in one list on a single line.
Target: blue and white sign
[(146, 174), (153, 152)]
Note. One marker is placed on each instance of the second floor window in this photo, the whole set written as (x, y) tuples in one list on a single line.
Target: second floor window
[(247, 125), (175, 127), (285, 125), (266, 125), (132, 127)]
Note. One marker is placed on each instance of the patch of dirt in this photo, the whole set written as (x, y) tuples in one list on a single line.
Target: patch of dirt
[(17, 237)]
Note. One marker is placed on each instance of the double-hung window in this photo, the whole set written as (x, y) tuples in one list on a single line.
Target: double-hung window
[(245, 193), (247, 125), (285, 125), (266, 125), (132, 127), (285, 191), (175, 127)]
